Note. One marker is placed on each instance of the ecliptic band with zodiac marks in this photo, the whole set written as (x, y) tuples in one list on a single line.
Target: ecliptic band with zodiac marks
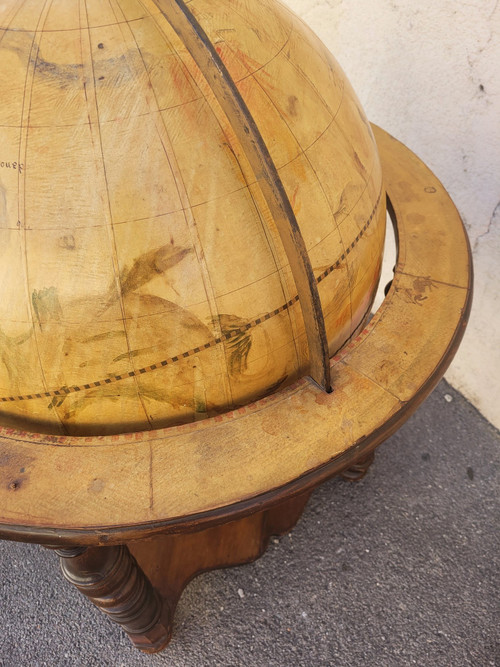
[(63, 391)]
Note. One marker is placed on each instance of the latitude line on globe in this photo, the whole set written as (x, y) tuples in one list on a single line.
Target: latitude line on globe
[(64, 391)]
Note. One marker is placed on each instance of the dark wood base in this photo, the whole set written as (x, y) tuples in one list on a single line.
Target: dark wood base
[(139, 584), (171, 561), (112, 579)]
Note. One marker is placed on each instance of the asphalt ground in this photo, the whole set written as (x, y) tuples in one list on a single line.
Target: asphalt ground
[(401, 568)]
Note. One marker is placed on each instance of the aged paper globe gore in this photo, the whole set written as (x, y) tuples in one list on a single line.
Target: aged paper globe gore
[(151, 167)]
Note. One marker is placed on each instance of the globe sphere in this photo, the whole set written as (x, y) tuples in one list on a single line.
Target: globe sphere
[(144, 282)]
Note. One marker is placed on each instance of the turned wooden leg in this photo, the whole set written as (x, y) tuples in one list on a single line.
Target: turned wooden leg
[(112, 579), (139, 585), (356, 471)]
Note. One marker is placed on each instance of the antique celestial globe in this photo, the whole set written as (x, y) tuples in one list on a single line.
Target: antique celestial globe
[(192, 223), (184, 216)]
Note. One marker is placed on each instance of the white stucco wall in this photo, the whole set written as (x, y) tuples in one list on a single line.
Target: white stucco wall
[(429, 73)]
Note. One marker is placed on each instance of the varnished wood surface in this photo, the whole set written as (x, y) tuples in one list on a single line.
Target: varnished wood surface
[(139, 585), (117, 488), (171, 561), (112, 580)]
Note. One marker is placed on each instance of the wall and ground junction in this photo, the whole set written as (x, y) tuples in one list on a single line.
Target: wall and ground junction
[(429, 74)]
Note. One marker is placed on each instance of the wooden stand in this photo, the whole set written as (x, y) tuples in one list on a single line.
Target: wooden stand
[(136, 516), (139, 584)]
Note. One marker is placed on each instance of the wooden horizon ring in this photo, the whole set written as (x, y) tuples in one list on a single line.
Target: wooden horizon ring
[(114, 489)]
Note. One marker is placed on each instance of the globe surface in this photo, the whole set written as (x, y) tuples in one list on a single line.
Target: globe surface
[(143, 280)]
